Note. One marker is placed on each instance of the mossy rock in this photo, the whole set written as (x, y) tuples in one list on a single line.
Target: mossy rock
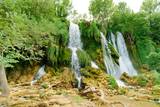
[(111, 82), (122, 91), (142, 80), (90, 72), (100, 60), (129, 80), (147, 79), (156, 90), (139, 80), (114, 53)]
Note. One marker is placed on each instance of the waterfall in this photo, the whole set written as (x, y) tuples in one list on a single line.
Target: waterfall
[(41, 72), (113, 40), (4, 88), (74, 45), (124, 60), (94, 65), (112, 68)]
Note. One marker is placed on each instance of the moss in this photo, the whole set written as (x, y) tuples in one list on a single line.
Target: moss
[(97, 78), (84, 58), (111, 82), (44, 85), (90, 72), (142, 80), (156, 90), (122, 91), (139, 80), (114, 53), (147, 79), (52, 54), (58, 56), (65, 57)]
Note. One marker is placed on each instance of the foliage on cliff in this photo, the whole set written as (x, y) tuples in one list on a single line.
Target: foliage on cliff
[(27, 27)]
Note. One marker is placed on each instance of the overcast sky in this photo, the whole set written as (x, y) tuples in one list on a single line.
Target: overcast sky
[(82, 5)]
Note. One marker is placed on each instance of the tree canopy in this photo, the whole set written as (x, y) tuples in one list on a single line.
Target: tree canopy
[(27, 27)]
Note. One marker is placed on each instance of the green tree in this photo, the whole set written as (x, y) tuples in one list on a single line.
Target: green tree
[(28, 26), (150, 6), (102, 10), (155, 27)]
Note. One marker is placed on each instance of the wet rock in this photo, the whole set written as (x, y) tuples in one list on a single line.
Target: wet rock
[(43, 104)]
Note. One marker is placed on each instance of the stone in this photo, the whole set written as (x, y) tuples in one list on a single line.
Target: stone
[(59, 100), (43, 104)]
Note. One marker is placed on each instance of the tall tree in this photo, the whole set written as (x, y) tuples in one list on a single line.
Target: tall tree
[(102, 10), (150, 6)]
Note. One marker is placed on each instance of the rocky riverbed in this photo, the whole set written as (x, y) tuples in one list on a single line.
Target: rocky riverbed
[(24, 95)]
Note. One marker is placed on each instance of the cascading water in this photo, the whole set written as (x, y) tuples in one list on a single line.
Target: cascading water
[(41, 72), (112, 68), (113, 40), (94, 65), (124, 60), (110, 65), (74, 45)]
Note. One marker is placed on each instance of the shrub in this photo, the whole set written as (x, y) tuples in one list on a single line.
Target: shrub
[(84, 58), (154, 61)]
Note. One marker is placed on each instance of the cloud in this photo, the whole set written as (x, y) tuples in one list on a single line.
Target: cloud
[(133, 4), (82, 5)]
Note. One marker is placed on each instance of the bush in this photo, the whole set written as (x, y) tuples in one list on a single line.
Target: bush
[(59, 56), (154, 61), (144, 47), (28, 26), (84, 58), (142, 80)]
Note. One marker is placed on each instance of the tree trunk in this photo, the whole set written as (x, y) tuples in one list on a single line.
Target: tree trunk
[(3, 82)]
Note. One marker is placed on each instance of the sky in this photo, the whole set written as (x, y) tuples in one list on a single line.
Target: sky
[(82, 5)]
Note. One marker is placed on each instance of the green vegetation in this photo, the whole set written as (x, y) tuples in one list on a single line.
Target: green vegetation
[(141, 30), (37, 32), (146, 79), (90, 35), (112, 82), (29, 26), (84, 58)]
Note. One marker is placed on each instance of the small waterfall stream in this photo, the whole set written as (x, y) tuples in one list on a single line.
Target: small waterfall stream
[(41, 72), (75, 44), (94, 65)]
